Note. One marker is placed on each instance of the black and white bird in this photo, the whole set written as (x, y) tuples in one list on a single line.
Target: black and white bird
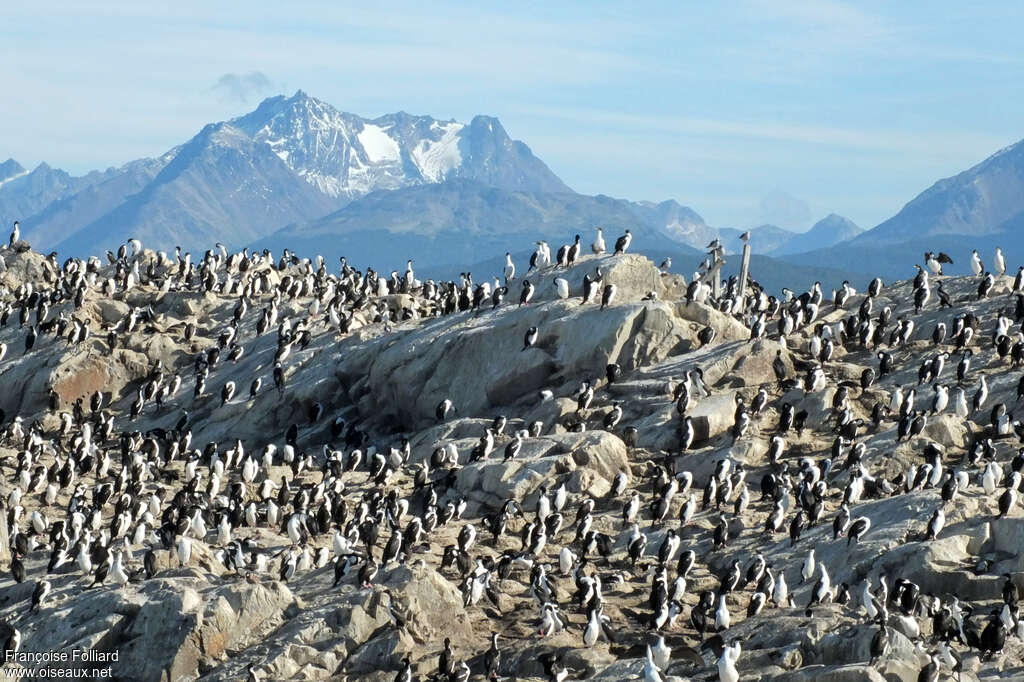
[(530, 338), (623, 242), (607, 296), (527, 293)]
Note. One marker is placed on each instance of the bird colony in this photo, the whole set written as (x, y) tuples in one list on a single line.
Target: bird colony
[(254, 466)]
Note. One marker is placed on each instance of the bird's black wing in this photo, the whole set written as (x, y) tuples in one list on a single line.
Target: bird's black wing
[(715, 643)]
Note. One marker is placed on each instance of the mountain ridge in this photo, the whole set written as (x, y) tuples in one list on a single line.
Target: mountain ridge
[(977, 201), (299, 161), (291, 159), (450, 222), (980, 208)]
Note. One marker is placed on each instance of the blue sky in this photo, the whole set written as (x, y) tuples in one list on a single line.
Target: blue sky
[(746, 111)]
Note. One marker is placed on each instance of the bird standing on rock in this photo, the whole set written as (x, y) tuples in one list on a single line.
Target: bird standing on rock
[(530, 338), (623, 242), (527, 293)]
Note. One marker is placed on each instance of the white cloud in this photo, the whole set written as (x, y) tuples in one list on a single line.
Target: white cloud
[(242, 87)]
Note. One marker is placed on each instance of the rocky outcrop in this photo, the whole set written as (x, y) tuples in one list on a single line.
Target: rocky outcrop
[(372, 387), (478, 361), (587, 461)]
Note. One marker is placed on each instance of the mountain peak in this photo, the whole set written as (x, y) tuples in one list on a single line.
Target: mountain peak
[(982, 200), (300, 98), (346, 156), (491, 123), (290, 159), (677, 222), (827, 232), (10, 169), (834, 224)]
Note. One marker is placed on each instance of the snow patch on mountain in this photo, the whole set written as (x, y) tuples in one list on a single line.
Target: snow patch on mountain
[(435, 159), (346, 156), (13, 177), (377, 144)]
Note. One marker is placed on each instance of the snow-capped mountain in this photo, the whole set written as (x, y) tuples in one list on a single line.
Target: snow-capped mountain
[(297, 172), (344, 155), (291, 160)]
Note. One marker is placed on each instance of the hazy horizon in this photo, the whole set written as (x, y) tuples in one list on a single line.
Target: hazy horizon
[(761, 112)]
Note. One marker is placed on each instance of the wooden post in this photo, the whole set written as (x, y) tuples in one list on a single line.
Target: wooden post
[(5, 541), (744, 269), (714, 274)]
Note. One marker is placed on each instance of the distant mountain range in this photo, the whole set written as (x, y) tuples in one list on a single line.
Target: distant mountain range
[(298, 173), (462, 222), (291, 160), (981, 208)]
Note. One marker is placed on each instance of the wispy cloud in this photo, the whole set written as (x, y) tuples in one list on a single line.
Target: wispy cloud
[(242, 87), (836, 19), (766, 129)]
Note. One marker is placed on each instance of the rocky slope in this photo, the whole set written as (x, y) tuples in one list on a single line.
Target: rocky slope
[(352, 373), (984, 199), (981, 208)]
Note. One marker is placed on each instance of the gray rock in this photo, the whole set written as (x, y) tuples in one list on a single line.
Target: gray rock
[(821, 673), (594, 457), (713, 416)]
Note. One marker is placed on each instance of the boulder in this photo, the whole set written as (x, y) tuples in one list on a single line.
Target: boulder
[(754, 366), (823, 673), (659, 430), (1007, 537), (595, 457), (900, 671), (383, 652), (109, 311), (599, 451), (241, 614), (589, 660), (23, 265), (726, 328), (713, 415), (553, 413), (432, 607), (422, 593), (83, 373), (161, 643), (853, 645), (633, 275), (478, 360), (946, 429)]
